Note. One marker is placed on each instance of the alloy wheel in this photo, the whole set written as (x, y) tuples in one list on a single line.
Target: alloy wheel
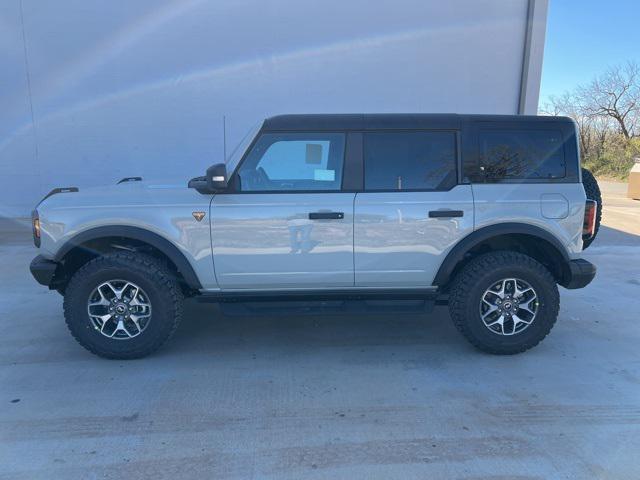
[(119, 309), (509, 306)]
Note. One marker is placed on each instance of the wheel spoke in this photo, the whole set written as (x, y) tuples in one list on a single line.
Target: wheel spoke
[(484, 299), (136, 321), (500, 292), (119, 328), (513, 326), (104, 319), (102, 301), (126, 330), (526, 306), (499, 321), (134, 295), (492, 308), (517, 320), (520, 293), (135, 301), (116, 291)]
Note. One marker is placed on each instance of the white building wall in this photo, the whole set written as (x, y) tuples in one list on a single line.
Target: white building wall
[(93, 91)]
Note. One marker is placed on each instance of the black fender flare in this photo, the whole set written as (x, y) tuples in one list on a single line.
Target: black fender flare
[(457, 253), (172, 252)]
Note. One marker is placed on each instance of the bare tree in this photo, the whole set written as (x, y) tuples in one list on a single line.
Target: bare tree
[(607, 112), (614, 95), (592, 129)]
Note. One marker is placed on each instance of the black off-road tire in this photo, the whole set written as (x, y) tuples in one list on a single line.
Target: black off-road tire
[(592, 190), (477, 276), (160, 285)]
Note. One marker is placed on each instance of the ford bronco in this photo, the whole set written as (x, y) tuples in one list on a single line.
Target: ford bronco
[(488, 214)]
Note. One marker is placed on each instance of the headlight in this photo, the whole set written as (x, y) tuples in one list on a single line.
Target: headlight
[(35, 223)]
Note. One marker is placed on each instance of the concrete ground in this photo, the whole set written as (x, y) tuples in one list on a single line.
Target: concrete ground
[(389, 396)]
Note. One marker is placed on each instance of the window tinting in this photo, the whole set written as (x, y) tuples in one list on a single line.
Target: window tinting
[(519, 154), (294, 161), (409, 160)]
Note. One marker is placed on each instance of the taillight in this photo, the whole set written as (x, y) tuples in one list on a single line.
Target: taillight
[(589, 225), (35, 223)]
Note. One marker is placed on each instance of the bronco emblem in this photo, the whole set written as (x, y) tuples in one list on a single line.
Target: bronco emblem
[(198, 215)]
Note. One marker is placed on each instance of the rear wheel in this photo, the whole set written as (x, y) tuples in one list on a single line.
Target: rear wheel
[(592, 190), (504, 302), (123, 305)]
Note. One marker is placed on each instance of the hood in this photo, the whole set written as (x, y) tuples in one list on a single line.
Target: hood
[(132, 192)]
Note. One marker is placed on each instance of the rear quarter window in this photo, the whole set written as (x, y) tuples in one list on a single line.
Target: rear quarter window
[(521, 154)]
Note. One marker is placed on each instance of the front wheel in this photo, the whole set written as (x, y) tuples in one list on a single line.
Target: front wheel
[(123, 305), (504, 302)]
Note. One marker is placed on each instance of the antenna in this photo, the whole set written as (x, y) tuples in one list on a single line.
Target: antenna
[(224, 138)]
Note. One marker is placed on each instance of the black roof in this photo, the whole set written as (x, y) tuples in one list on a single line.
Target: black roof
[(390, 121)]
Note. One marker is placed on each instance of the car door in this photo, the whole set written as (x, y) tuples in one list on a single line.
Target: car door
[(288, 224), (412, 210)]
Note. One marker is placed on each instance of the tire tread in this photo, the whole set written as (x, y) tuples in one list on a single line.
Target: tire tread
[(469, 277), (154, 270), (592, 190)]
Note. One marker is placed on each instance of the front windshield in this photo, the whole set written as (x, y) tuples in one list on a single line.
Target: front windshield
[(238, 152)]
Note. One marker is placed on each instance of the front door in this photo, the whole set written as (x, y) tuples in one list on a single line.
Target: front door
[(412, 211), (288, 225)]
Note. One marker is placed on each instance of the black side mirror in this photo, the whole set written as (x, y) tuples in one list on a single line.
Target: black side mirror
[(214, 181), (217, 177)]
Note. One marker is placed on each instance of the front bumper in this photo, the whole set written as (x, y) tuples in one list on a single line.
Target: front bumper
[(43, 270), (580, 274)]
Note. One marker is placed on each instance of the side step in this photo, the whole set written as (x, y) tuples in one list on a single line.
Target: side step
[(332, 307), (325, 302)]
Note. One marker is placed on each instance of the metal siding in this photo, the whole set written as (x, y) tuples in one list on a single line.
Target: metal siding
[(141, 90)]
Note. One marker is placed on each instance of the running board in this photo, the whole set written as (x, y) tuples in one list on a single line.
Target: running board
[(331, 307), (322, 302), (321, 295)]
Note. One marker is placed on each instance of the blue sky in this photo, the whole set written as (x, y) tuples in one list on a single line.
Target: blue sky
[(584, 37)]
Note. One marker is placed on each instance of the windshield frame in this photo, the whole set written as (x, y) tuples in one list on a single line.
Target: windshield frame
[(243, 145)]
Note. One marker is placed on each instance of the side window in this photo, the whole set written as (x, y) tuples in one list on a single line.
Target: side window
[(521, 154), (409, 160), (294, 161)]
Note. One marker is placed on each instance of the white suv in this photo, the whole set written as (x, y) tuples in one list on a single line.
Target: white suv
[(488, 213)]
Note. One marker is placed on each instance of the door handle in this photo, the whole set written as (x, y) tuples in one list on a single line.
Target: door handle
[(326, 215), (445, 213)]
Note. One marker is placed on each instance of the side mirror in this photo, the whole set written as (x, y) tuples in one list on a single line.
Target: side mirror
[(214, 181), (217, 177)]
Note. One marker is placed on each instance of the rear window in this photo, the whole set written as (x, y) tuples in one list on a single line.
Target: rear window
[(521, 154), (409, 160)]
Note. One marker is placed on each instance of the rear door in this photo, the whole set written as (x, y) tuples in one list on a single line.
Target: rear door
[(288, 225), (412, 210)]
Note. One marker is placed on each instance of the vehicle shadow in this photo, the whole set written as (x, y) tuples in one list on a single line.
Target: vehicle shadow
[(611, 237), (206, 329)]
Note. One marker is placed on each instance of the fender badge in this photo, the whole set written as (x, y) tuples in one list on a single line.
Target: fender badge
[(198, 215)]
